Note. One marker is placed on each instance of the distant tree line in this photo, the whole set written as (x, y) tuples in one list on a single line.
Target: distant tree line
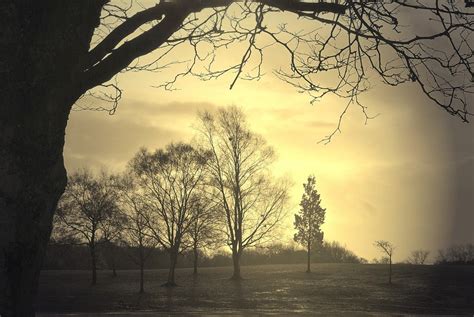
[(462, 254), (76, 257)]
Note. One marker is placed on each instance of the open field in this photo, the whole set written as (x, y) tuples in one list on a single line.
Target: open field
[(330, 289)]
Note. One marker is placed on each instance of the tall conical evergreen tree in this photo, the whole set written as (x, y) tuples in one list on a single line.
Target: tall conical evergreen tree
[(310, 218)]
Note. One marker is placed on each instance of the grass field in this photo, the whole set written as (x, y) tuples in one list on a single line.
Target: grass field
[(285, 289)]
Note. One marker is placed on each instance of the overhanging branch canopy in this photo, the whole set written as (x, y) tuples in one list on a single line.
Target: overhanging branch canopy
[(347, 41)]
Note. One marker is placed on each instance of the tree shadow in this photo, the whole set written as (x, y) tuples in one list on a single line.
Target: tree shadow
[(238, 299), (170, 298)]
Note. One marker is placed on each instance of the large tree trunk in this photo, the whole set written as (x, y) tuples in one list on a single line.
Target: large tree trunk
[(93, 264), (29, 193), (236, 262), (42, 45), (173, 261)]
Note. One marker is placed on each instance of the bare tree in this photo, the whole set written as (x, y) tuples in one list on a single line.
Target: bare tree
[(456, 254), (54, 54), (418, 257), (387, 248), (112, 237), (86, 210), (252, 204), (138, 236), (169, 179), (309, 220), (112, 231), (204, 230)]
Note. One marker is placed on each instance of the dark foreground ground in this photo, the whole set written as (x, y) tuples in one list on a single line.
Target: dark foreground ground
[(284, 289)]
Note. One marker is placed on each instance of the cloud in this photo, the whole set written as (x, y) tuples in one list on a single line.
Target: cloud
[(147, 109), (96, 139)]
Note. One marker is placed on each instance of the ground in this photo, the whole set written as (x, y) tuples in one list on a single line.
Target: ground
[(284, 289)]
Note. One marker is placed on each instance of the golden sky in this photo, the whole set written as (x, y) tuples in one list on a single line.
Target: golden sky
[(407, 176)]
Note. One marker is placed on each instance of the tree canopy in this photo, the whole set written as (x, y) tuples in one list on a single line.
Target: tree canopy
[(310, 218), (332, 47)]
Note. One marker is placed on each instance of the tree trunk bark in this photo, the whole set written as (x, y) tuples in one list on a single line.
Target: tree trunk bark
[(196, 257), (236, 261), (27, 208), (308, 269), (43, 43), (173, 261)]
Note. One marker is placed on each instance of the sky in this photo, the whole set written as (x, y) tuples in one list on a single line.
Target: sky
[(406, 176)]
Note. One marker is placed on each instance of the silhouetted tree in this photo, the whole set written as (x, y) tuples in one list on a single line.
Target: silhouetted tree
[(418, 257), (387, 248), (169, 178), (251, 202), (87, 210), (112, 229), (137, 236), (381, 260), (204, 230), (309, 220), (456, 254), (51, 58), (335, 252)]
